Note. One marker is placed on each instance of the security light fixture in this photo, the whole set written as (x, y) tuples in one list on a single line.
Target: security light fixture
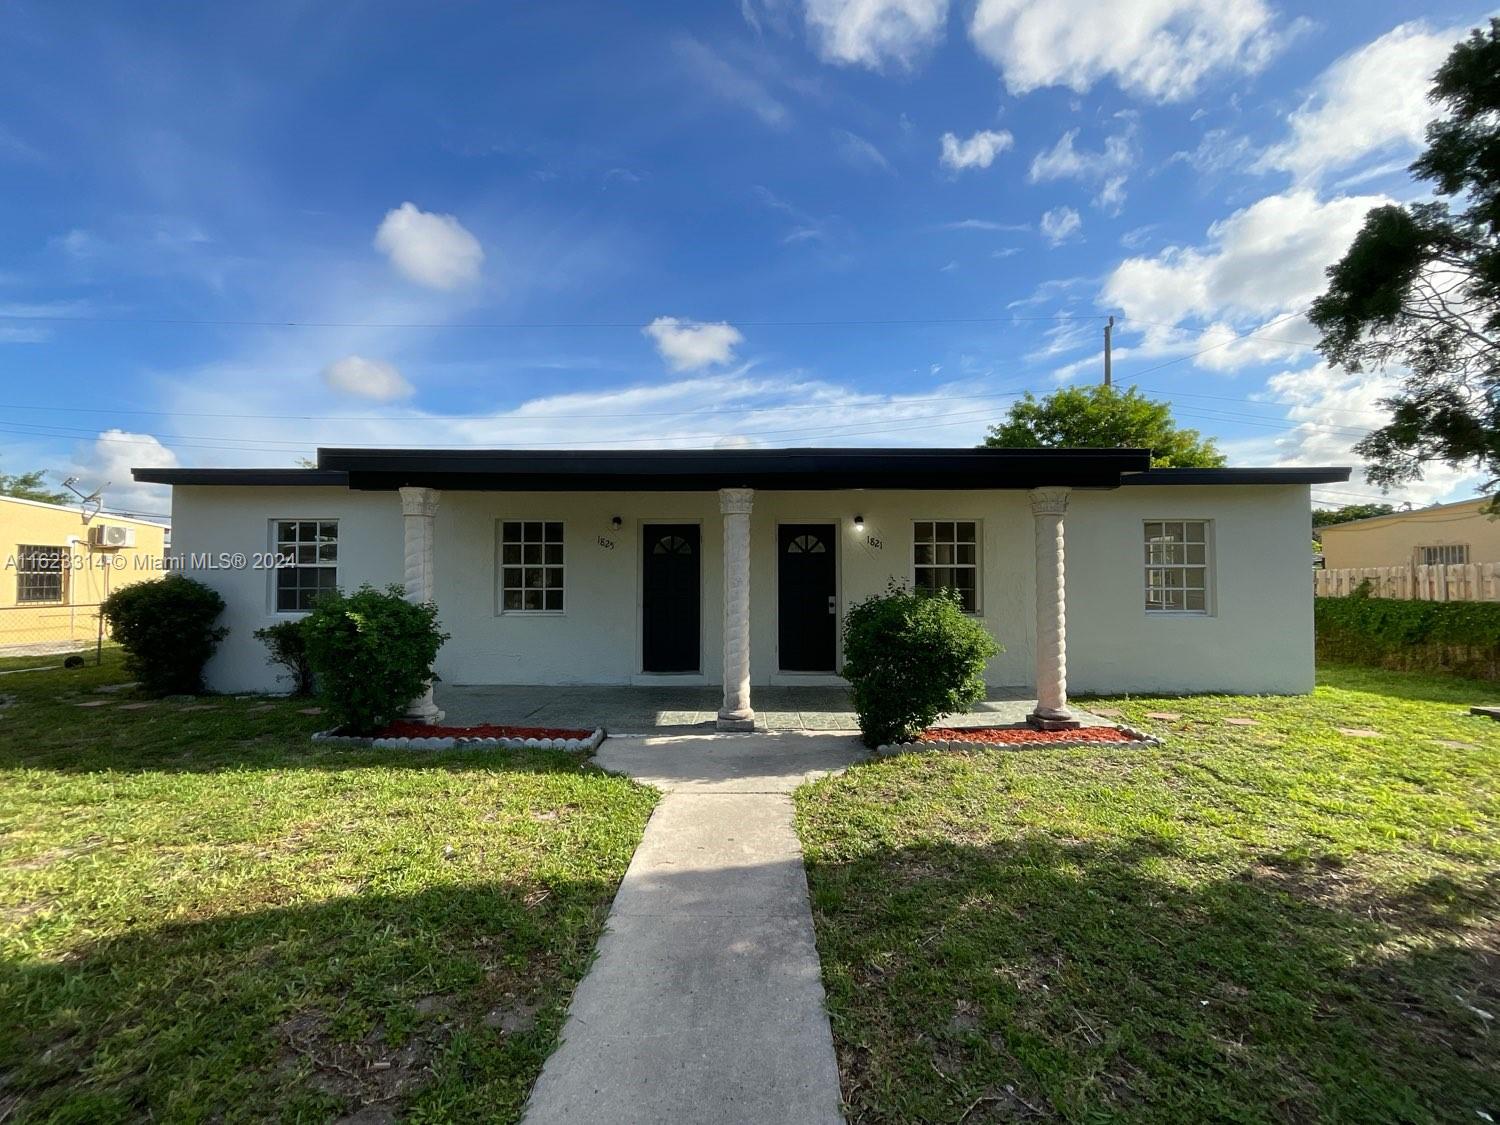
[(859, 525), (616, 522)]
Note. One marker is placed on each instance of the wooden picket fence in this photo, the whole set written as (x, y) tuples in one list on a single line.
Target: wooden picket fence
[(1461, 582)]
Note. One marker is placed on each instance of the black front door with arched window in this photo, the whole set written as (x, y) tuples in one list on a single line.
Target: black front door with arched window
[(807, 607), (669, 597)]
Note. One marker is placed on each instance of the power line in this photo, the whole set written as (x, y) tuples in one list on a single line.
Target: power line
[(1223, 343), (1254, 402), (509, 418), (272, 445), (635, 325)]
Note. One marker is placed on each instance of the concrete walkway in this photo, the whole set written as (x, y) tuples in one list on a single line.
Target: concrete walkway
[(681, 710), (706, 1001)]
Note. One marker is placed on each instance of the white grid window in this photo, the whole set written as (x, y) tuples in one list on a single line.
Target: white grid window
[(531, 566), (1177, 566), (40, 574), (1456, 554), (945, 555), (312, 548)]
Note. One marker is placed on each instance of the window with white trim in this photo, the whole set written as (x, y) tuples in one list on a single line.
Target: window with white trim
[(40, 574), (310, 550), (531, 566), (1450, 554), (1177, 566), (945, 555)]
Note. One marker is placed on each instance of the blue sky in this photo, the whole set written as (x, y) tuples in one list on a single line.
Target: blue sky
[(234, 233)]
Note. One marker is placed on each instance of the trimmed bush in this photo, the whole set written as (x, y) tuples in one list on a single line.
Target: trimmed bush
[(286, 645), (1410, 636), (167, 630), (911, 657), (371, 654)]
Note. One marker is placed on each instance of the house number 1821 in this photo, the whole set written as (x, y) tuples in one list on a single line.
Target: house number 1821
[(607, 544), (874, 541)]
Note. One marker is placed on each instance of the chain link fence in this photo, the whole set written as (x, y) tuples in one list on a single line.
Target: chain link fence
[(45, 630)]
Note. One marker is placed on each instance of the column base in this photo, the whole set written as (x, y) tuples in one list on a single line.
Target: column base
[(1053, 721), (424, 710), (735, 720)]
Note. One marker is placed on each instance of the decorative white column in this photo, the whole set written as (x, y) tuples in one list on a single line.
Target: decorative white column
[(418, 507), (736, 714), (1047, 508)]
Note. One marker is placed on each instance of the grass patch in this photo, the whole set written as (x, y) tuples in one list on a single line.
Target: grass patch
[(204, 916), (1249, 923)]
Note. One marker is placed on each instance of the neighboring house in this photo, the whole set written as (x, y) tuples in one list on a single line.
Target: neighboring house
[(736, 566), (1442, 535), (58, 565)]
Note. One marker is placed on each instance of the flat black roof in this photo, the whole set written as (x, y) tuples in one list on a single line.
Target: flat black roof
[(625, 470), (1288, 474)]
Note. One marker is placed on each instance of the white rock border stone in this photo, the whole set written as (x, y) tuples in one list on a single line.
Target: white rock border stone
[(1136, 738), (478, 742)]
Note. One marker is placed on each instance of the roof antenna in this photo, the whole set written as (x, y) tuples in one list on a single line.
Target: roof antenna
[(92, 502)]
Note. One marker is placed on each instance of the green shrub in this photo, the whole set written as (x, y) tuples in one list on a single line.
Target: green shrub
[(1460, 637), (911, 657), (286, 645), (371, 653), (167, 631)]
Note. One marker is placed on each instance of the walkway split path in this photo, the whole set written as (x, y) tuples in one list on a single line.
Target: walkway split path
[(706, 1001)]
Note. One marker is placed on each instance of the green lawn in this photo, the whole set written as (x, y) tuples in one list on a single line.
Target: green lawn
[(1248, 923), (203, 917)]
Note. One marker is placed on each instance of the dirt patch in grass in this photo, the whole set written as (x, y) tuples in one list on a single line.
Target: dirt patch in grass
[(368, 1072)]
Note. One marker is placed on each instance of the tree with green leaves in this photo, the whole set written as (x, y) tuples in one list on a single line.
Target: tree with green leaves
[(1419, 288), (1098, 416), (1327, 517), (30, 486)]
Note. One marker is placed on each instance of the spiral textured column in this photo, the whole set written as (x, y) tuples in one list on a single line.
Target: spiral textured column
[(735, 504), (418, 509), (1047, 508)]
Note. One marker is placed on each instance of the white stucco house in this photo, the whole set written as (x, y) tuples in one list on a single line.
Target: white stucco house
[(735, 566)]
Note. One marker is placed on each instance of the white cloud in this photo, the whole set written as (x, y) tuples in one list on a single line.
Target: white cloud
[(1108, 168), (1369, 101), (1060, 224), (977, 151), (728, 82), (1262, 262), (105, 464), (859, 152), (689, 346), (366, 378), (1218, 150), (1161, 50), (1331, 410), (984, 224), (875, 33), (430, 249)]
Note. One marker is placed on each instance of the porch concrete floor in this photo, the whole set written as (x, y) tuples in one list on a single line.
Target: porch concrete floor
[(666, 710)]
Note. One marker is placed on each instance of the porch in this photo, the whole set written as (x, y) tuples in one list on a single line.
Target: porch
[(626, 710)]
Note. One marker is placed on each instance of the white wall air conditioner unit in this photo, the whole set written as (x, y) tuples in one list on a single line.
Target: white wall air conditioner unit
[(108, 535)]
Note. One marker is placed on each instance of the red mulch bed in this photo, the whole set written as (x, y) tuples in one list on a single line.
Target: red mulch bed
[(1023, 735), (487, 730)]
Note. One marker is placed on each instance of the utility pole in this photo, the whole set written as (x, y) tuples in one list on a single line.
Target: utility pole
[(1109, 328)]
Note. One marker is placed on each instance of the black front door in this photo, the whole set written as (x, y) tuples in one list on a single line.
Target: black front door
[(669, 607), (808, 628)]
